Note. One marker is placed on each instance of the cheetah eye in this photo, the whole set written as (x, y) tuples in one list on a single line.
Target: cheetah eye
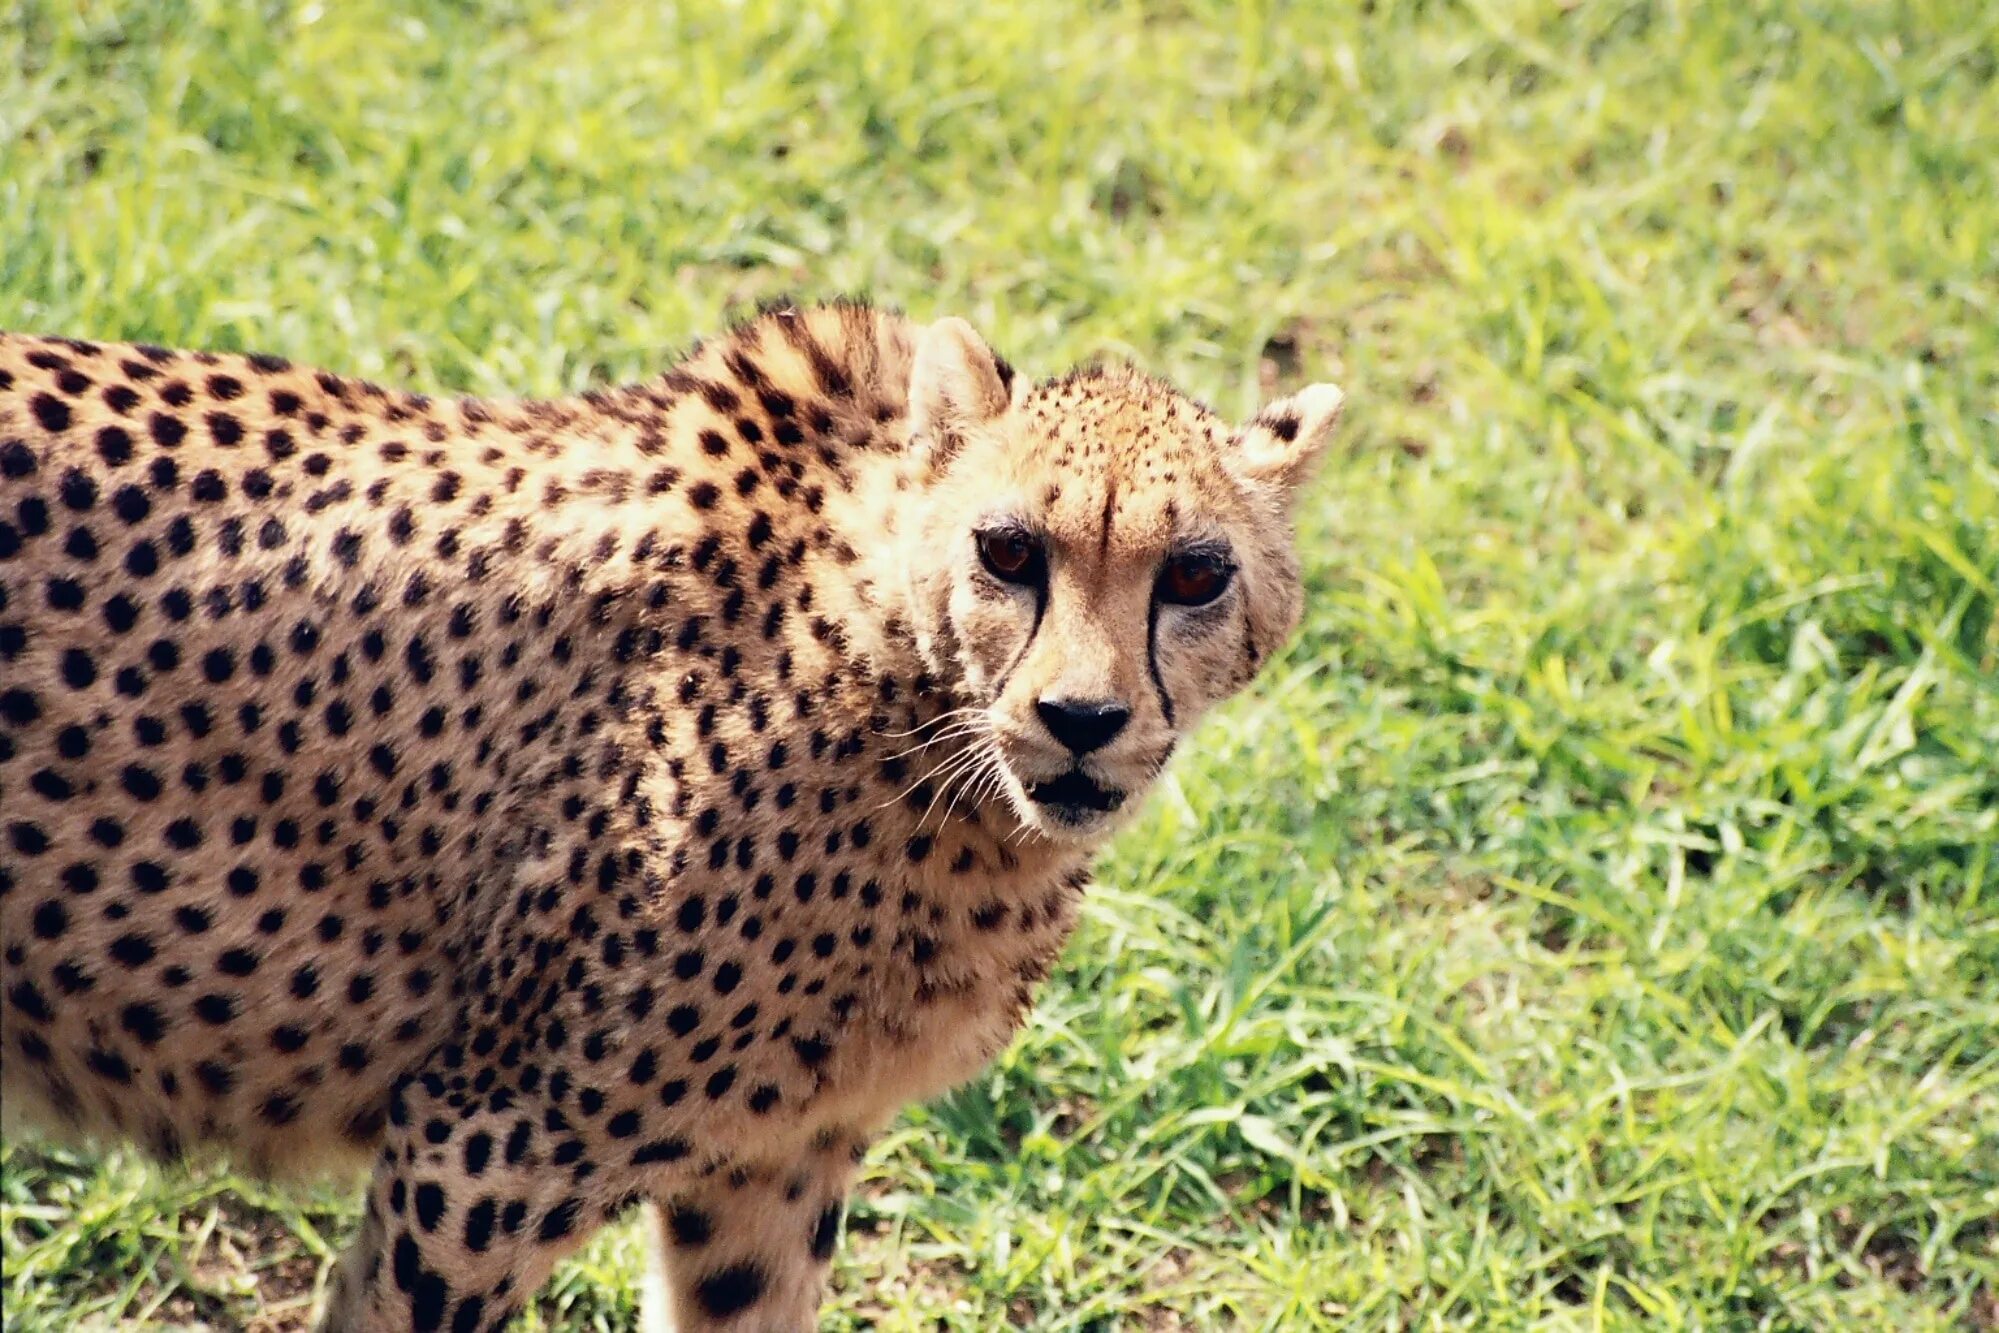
[(1194, 578), (1012, 556)]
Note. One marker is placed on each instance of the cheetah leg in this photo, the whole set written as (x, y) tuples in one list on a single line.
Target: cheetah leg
[(466, 1216), (748, 1249)]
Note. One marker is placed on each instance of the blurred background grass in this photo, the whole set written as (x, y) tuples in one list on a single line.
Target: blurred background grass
[(1589, 923)]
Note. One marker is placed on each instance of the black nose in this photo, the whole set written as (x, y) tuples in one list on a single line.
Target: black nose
[(1082, 725)]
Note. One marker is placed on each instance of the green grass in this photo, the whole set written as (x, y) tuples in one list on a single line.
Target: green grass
[(1591, 920)]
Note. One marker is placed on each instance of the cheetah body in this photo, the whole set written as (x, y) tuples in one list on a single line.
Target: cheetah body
[(551, 801)]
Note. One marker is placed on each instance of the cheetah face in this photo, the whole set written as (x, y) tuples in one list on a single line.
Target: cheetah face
[(1102, 560)]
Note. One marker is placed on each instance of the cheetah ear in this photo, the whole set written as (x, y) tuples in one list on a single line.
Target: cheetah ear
[(955, 383), (1280, 443)]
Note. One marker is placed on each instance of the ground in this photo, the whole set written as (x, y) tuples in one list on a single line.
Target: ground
[(1592, 920)]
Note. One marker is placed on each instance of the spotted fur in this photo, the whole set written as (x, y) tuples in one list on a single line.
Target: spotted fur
[(625, 799)]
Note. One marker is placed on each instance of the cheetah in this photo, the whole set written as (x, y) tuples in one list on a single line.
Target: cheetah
[(630, 799)]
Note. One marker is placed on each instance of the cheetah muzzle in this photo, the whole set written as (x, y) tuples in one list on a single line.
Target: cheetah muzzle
[(629, 799)]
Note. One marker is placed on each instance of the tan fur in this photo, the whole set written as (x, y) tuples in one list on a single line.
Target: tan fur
[(621, 799)]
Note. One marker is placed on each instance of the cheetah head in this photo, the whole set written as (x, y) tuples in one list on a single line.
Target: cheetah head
[(1098, 561)]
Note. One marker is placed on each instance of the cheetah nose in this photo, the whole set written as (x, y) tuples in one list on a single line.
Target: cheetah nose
[(1082, 724)]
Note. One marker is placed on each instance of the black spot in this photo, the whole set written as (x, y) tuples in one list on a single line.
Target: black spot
[(559, 1220), (731, 1290), (51, 919), (51, 411), (216, 1009), (114, 445), (79, 670), (167, 431), (64, 594), (144, 1022), (826, 1232), (16, 459), (479, 1226), (689, 1225), (427, 1302), (29, 839), (192, 919), (407, 1265), (120, 613), (110, 1065), (79, 491), (429, 1205), (660, 1150), (26, 997)]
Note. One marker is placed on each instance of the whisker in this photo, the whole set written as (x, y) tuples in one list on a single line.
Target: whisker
[(961, 730), (991, 788), (931, 722), (963, 772), (963, 775), (983, 774), (949, 765)]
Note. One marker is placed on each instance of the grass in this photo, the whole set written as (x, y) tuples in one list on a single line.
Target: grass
[(1592, 921)]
